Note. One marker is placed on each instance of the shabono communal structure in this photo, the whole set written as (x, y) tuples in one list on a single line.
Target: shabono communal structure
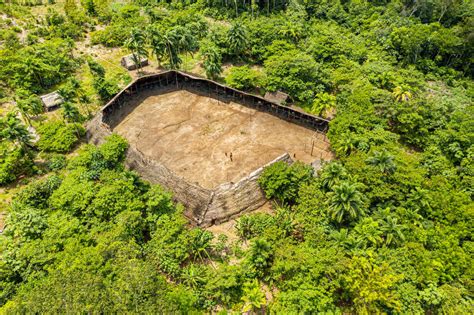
[(206, 142)]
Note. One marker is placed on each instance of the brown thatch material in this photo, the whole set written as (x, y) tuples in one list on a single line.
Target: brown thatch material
[(277, 97), (129, 63), (52, 100)]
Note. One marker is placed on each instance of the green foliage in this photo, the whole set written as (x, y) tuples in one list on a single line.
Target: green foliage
[(28, 105), (15, 149), (113, 150), (56, 162), (136, 44), (106, 88), (103, 222), (322, 103), (385, 228), (13, 163), (282, 181), (237, 41), (123, 22), (296, 73), (14, 131), (345, 200), (259, 258), (370, 283), (212, 61), (253, 297), (243, 78), (56, 136), (37, 67), (250, 226)]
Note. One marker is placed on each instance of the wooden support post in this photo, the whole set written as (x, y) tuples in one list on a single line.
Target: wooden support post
[(312, 147)]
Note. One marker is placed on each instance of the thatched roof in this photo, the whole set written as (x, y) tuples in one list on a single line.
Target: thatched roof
[(129, 63), (52, 100), (277, 97)]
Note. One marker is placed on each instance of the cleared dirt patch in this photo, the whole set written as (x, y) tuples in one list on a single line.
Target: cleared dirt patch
[(209, 142)]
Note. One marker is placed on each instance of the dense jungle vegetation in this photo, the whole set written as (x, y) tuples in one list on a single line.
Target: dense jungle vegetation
[(384, 228)]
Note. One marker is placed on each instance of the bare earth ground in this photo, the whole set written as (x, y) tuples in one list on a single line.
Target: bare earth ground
[(195, 136)]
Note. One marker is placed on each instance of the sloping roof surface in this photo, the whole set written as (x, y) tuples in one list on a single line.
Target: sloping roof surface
[(129, 63), (52, 100), (277, 97)]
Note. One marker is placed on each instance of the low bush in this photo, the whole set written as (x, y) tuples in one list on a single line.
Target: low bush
[(14, 163), (282, 181), (57, 136), (243, 78)]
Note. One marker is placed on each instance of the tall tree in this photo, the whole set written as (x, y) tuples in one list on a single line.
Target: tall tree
[(184, 40), (332, 174), (253, 297), (212, 61), (136, 44), (28, 105), (384, 161), (157, 42), (70, 112), (345, 201), (12, 129), (237, 39), (402, 93), (172, 48)]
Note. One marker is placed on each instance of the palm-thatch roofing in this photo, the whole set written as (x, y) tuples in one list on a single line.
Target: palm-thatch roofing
[(52, 100), (129, 63), (277, 97)]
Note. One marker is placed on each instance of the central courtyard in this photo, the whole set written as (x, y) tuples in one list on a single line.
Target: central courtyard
[(208, 142)]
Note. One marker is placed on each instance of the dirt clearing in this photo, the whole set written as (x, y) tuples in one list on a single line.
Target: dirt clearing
[(209, 142)]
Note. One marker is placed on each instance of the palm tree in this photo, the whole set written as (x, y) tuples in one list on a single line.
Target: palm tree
[(393, 231), (367, 233), (171, 39), (28, 105), (157, 43), (260, 255), (332, 174), (32, 70), (192, 276), (136, 44), (402, 93), (84, 101), (237, 39), (345, 200), (12, 129), (212, 61), (201, 244), (384, 161), (345, 145), (70, 112), (253, 297), (342, 238), (185, 40), (322, 103)]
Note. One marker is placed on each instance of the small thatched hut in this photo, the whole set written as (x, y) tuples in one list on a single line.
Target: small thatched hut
[(277, 97), (52, 100), (129, 64)]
